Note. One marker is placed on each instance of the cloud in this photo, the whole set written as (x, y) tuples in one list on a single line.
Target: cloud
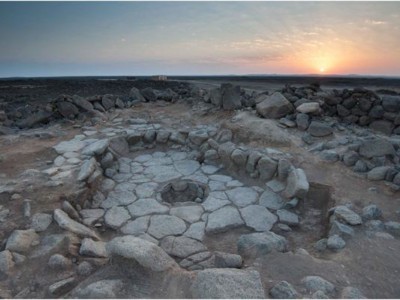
[(375, 22)]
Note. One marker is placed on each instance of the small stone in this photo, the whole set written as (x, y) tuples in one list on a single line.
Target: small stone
[(227, 260), (344, 213), (67, 223), (103, 289), (59, 262), (258, 217), (61, 287), (350, 292), (321, 245), (378, 173), (287, 217), (41, 221), (329, 155), (87, 169), (283, 290), (371, 212), (6, 262), (297, 184), (317, 283), (335, 242), (92, 248), (21, 240), (319, 129)]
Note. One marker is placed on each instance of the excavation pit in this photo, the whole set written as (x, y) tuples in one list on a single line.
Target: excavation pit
[(180, 191)]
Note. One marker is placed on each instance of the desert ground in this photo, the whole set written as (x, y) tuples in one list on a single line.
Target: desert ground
[(200, 188)]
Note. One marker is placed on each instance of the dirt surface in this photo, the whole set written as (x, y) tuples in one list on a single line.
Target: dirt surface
[(368, 262)]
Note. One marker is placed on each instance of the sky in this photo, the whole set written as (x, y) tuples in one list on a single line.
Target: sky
[(199, 38)]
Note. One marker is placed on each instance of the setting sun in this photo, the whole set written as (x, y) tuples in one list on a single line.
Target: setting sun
[(322, 69)]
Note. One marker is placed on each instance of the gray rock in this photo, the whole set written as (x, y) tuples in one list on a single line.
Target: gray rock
[(266, 167), (103, 289), (344, 213), (283, 290), (216, 97), (145, 253), (287, 217), (190, 214), (135, 94), (85, 269), (258, 244), (87, 169), (350, 158), (350, 292), (59, 262), (227, 260), (375, 225), (40, 221), (252, 161), (116, 216), (231, 98), (378, 173), (284, 167), (96, 148), (276, 186), (82, 103), (319, 129), (119, 145), (317, 283), (308, 108), (67, 109), (302, 121), (341, 230), (223, 219), (137, 226), (371, 212), (329, 155), (258, 217), (360, 166), (161, 226), (92, 248), (67, 223), (181, 246), (70, 210), (118, 198), (383, 126), (227, 283), (196, 231), (321, 245), (198, 137), (91, 216), (162, 136), (146, 206), (393, 227), (61, 287), (21, 240), (335, 242), (6, 262), (239, 157), (376, 147), (297, 184), (69, 146), (51, 244), (319, 295), (108, 101), (149, 94), (242, 196), (274, 106)]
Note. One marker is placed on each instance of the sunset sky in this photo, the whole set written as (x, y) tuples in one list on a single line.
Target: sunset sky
[(144, 38)]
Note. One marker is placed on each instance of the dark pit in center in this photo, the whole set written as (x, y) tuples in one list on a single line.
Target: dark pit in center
[(184, 191)]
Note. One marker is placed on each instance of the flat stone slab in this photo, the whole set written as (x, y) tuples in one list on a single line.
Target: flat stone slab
[(161, 226), (65, 222), (190, 214), (137, 226), (287, 217), (258, 217), (223, 219), (69, 146), (346, 214), (227, 284), (271, 200), (187, 167), (116, 216), (146, 190), (181, 246), (196, 231), (147, 206), (116, 198), (242, 196)]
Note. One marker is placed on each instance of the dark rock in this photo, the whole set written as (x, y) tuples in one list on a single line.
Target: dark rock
[(108, 102), (275, 106), (302, 121), (335, 242), (350, 158), (364, 120), (32, 120), (82, 103), (319, 129), (216, 97), (376, 147), (231, 98), (371, 212), (98, 106), (391, 103), (135, 94), (283, 290), (378, 173), (149, 94), (383, 126), (67, 109), (342, 111), (365, 104), (349, 103), (256, 244), (376, 112)]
